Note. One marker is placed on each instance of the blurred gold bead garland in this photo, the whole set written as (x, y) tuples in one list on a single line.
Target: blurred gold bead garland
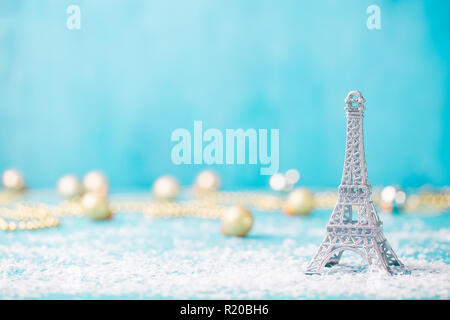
[(89, 199), (28, 218)]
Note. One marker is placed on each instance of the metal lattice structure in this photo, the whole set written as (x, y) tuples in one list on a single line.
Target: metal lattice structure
[(354, 224)]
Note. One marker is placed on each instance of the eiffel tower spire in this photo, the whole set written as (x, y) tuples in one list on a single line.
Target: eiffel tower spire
[(354, 224)]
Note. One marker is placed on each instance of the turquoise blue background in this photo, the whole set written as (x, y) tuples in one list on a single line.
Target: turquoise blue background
[(109, 95)]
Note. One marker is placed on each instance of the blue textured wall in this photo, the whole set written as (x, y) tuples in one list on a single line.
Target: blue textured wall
[(109, 95)]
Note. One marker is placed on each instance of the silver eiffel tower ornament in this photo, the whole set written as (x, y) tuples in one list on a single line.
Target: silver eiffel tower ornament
[(354, 224)]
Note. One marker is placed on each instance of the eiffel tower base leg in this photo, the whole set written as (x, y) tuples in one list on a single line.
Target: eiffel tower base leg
[(379, 257), (316, 265)]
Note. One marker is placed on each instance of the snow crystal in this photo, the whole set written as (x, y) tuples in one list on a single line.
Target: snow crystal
[(135, 257)]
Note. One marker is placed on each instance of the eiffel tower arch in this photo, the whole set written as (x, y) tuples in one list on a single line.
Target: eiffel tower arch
[(354, 223)]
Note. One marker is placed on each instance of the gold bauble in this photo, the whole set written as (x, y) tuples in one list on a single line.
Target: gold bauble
[(13, 180), (206, 181), (387, 207), (166, 188), (299, 202), (292, 176), (278, 182), (237, 221), (69, 186), (95, 181), (392, 198), (388, 194), (96, 206)]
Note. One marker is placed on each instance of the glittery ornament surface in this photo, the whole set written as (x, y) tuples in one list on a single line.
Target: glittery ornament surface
[(133, 257)]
